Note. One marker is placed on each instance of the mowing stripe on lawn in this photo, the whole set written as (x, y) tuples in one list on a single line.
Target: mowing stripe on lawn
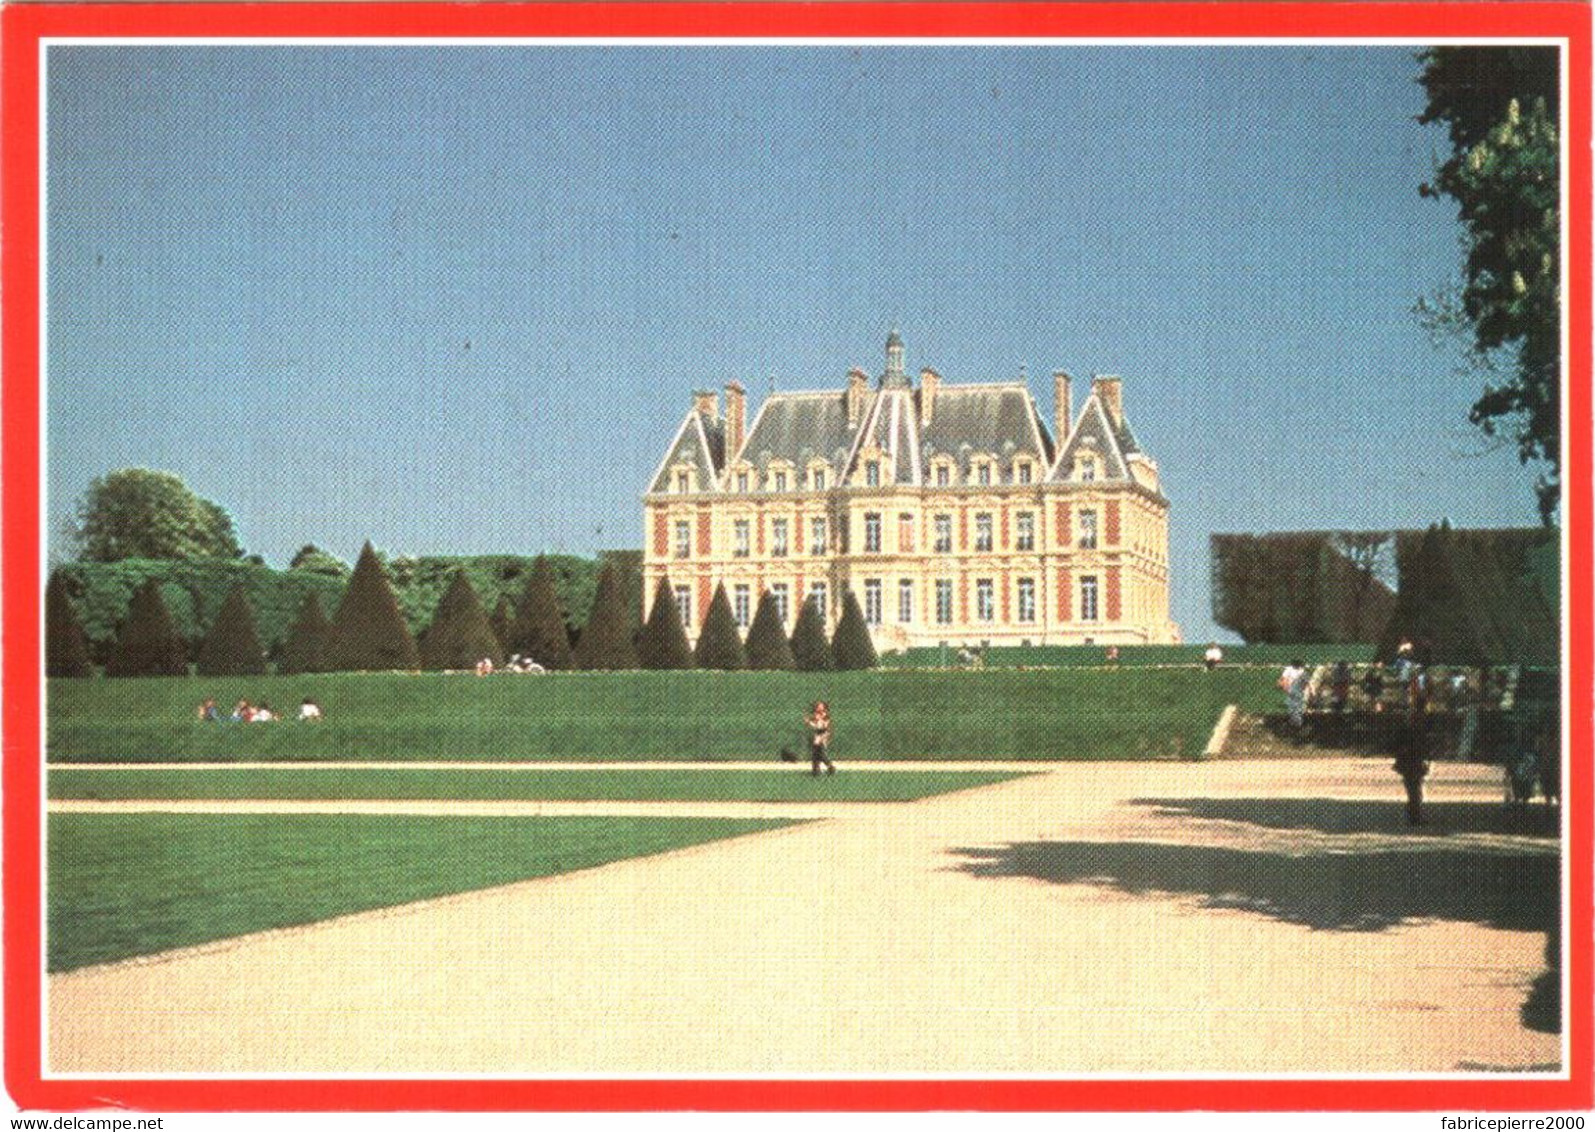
[(684, 785), (122, 885)]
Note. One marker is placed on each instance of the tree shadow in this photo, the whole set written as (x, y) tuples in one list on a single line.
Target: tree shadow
[(1340, 815), (1343, 886)]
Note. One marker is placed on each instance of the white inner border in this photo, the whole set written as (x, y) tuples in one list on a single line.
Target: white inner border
[(787, 42)]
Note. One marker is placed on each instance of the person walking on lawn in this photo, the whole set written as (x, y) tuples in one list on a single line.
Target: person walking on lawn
[(819, 723)]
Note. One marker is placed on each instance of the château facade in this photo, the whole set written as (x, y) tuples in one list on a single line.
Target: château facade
[(952, 512)]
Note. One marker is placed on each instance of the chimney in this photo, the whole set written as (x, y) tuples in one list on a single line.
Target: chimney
[(706, 403), (1106, 387), (857, 384), (929, 382), (1061, 409), (736, 418)]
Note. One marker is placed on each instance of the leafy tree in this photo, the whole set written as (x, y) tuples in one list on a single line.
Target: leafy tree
[(232, 647), (719, 645), (66, 648), (767, 647), (313, 560), (460, 634), (149, 644), (851, 647), (368, 633), (539, 630), (307, 640), (503, 621), (663, 641), (810, 650), (139, 513), (1500, 105), (606, 640)]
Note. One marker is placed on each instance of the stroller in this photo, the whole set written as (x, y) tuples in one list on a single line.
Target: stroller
[(1522, 775)]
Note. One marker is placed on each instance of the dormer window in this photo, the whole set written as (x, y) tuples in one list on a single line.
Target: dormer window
[(683, 482), (872, 474), (944, 475), (780, 481), (1087, 469), (1022, 471), (983, 475), (817, 479), (742, 481)]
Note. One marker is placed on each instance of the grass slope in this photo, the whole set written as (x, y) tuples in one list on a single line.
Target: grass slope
[(1053, 714), (133, 884), (791, 785)]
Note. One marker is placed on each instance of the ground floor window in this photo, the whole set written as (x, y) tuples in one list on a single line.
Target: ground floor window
[(782, 594), (872, 601), (1088, 598), (905, 600), (985, 607), (684, 604), (740, 596), (1027, 599), (944, 602)]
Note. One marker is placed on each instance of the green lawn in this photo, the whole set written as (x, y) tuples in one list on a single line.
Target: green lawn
[(1130, 713), (133, 884), (687, 784)]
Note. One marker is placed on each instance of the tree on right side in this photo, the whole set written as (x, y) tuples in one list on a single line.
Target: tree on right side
[(368, 632), (1500, 106), (663, 641), (767, 647), (851, 647), (149, 643), (606, 640), (811, 652)]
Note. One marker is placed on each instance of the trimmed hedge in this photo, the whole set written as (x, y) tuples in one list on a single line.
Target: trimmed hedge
[(662, 644), (368, 633), (232, 647)]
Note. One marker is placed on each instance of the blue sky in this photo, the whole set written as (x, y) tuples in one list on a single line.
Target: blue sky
[(455, 299)]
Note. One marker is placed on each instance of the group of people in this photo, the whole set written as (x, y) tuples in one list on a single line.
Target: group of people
[(246, 712), (516, 663)]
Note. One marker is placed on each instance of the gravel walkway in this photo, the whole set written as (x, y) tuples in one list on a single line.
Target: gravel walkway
[(1155, 918)]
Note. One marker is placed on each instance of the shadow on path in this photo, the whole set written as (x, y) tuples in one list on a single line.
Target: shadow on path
[(1340, 815)]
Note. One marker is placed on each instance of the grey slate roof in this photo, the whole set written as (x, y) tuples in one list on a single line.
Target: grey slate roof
[(1093, 431), (891, 423), (996, 420), (701, 441), (799, 427)]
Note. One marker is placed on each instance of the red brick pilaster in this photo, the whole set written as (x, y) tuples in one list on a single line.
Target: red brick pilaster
[(704, 527), (1113, 593), (661, 534), (704, 594), (1060, 537), (1111, 532), (1065, 598)]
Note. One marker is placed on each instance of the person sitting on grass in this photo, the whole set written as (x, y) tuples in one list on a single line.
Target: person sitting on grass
[(819, 724), (310, 710), (243, 712), (263, 713), (207, 712)]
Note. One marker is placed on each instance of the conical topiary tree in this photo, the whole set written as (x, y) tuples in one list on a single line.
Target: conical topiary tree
[(663, 641), (66, 646), (503, 621), (149, 644), (606, 640), (303, 648), (851, 647), (767, 647), (368, 632), (459, 635), (719, 645), (811, 652), (232, 646), (539, 630)]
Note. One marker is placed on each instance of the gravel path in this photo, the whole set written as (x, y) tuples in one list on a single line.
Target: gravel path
[(1099, 918)]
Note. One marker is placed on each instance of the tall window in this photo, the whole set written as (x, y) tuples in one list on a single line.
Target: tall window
[(684, 604), (985, 605), (944, 534), (683, 539), (983, 475), (740, 597), (1088, 530), (1088, 598), (872, 474), (817, 478), (1024, 471), (905, 600), (778, 538), (742, 481), (1027, 599), (741, 538), (905, 533), (944, 475), (780, 481), (872, 532), (944, 601), (983, 531), (872, 601), (1025, 530), (817, 531), (782, 594), (818, 594)]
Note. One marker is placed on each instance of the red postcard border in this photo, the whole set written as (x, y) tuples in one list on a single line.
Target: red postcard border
[(25, 26)]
